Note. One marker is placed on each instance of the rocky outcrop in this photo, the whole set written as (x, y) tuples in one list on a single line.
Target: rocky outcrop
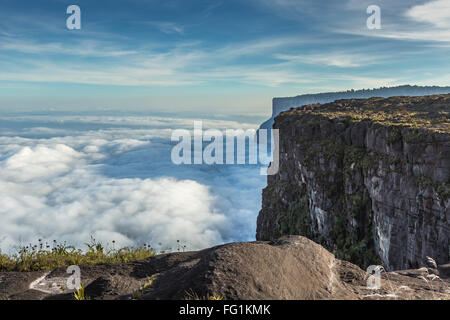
[(368, 179), (289, 268), (283, 104)]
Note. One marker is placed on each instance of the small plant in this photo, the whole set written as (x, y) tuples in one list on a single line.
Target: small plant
[(192, 295), (181, 247), (137, 295), (79, 293), (5, 262)]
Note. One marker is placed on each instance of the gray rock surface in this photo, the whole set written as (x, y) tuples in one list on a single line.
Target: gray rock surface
[(289, 268)]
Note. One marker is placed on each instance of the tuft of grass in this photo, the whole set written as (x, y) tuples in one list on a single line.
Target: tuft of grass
[(215, 298), (5, 262), (79, 293), (47, 257), (137, 295), (191, 295)]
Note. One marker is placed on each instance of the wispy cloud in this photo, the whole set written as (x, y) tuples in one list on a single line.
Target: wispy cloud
[(83, 48), (341, 60), (290, 45), (167, 27), (184, 65), (422, 23), (401, 19), (436, 13)]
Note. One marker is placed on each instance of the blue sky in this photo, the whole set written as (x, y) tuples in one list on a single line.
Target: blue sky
[(208, 56)]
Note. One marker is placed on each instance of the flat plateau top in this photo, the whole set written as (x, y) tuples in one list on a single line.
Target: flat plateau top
[(428, 112)]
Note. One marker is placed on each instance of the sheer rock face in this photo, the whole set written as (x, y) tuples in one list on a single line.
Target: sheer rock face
[(368, 179)]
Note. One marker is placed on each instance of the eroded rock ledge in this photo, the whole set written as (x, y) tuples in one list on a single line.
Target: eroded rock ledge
[(366, 178), (289, 268)]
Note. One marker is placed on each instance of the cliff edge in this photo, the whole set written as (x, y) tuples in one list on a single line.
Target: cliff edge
[(366, 178), (283, 104)]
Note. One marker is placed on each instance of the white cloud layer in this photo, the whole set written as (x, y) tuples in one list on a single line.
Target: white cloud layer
[(117, 183)]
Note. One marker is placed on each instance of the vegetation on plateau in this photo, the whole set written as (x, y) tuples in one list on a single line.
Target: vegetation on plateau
[(428, 112)]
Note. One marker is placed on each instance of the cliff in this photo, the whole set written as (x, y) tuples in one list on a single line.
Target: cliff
[(282, 104), (368, 179)]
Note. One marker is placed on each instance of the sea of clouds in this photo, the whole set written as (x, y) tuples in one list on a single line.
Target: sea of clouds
[(67, 178)]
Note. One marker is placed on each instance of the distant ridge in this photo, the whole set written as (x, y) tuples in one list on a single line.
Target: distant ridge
[(282, 104)]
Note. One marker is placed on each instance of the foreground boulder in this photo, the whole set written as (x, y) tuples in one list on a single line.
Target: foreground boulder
[(289, 268)]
